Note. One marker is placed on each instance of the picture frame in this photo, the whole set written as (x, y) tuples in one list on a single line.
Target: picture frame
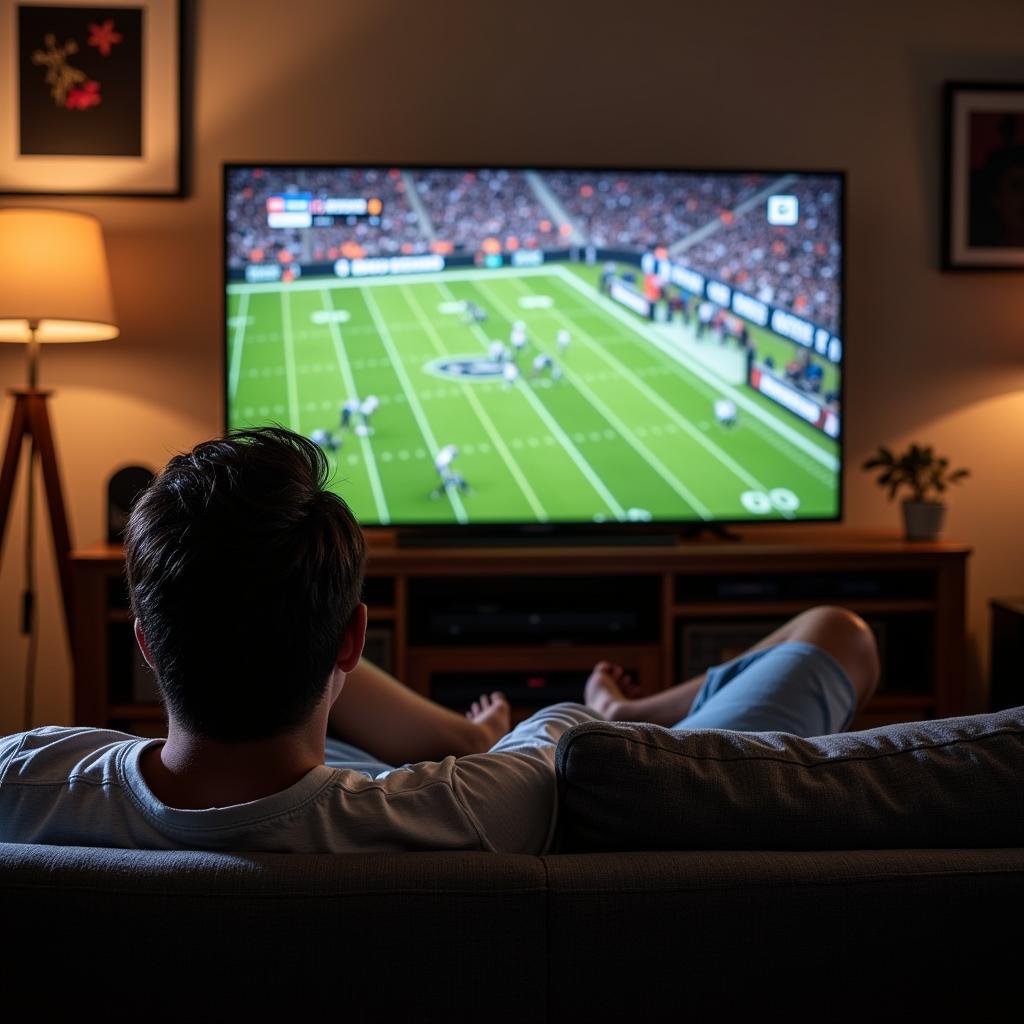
[(983, 172), (91, 101)]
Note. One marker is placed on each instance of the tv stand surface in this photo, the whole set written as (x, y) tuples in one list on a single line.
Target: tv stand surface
[(448, 540), (714, 531), (533, 618)]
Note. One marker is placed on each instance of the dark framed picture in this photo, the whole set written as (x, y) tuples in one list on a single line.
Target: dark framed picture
[(984, 177), (90, 102)]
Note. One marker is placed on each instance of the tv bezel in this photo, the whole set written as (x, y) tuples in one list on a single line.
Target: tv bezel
[(562, 530)]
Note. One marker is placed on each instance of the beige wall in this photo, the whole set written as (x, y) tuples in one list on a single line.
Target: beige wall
[(932, 356)]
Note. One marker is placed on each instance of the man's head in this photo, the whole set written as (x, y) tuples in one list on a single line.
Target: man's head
[(245, 575)]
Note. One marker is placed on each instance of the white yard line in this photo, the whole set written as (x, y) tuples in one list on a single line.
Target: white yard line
[(312, 284), (791, 453), (794, 437), (672, 413), (289, 362), (488, 424), (350, 386), (237, 342), (563, 439), (692, 366), (625, 432), (411, 396)]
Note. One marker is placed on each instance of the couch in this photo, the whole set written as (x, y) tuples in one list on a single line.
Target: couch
[(879, 875)]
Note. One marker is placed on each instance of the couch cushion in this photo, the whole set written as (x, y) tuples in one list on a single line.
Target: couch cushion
[(839, 935), (272, 936), (954, 782)]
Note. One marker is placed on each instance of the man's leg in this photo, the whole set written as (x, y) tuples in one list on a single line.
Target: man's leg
[(843, 636), (376, 713)]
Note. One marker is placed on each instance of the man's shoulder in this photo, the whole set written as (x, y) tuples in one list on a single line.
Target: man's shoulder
[(52, 753)]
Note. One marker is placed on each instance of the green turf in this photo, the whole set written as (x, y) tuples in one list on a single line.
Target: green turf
[(766, 342), (628, 432)]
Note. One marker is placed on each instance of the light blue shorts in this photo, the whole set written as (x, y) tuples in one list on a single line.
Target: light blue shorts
[(793, 687)]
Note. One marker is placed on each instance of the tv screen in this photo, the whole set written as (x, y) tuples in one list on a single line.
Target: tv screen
[(495, 346)]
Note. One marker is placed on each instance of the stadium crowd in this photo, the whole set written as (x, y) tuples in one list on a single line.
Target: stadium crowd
[(643, 210), (794, 267), (791, 267), (467, 208)]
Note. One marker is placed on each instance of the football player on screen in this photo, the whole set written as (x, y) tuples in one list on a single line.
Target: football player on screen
[(545, 362), (449, 478), (518, 338), (444, 458), (449, 481), (475, 314), (725, 412), (348, 410), (323, 439), (366, 410)]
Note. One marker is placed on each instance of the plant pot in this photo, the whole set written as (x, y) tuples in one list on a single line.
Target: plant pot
[(922, 520)]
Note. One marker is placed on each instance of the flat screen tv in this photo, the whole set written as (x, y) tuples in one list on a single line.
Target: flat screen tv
[(520, 346)]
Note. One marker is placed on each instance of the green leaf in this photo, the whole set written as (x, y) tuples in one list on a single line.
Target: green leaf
[(917, 468)]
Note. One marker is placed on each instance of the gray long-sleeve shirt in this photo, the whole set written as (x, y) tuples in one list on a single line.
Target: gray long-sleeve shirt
[(83, 787)]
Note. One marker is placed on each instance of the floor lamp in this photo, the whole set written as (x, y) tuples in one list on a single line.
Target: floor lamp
[(54, 287)]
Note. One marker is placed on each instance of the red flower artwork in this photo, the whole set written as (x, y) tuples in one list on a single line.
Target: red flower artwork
[(85, 97), (103, 37)]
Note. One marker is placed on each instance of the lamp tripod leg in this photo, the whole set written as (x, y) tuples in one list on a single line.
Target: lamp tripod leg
[(28, 606), (12, 455)]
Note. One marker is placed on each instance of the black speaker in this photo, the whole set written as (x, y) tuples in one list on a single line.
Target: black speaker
[(122, 490)]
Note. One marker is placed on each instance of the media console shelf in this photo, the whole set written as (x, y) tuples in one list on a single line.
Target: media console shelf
[(531, 621)]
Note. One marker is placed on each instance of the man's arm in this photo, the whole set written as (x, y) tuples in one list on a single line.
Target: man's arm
[(379, 714), (509, 793)]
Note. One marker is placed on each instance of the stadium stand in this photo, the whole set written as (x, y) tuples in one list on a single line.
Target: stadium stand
[(467, 211), (466, 208), (643, 211), (785, 266)]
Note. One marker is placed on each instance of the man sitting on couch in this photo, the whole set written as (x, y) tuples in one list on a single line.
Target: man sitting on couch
[(245, 575)]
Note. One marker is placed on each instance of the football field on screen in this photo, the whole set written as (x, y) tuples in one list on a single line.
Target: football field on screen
[(627, 433)]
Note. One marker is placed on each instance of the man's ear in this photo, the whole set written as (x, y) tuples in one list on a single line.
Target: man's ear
[(351, 649), (140, 639)]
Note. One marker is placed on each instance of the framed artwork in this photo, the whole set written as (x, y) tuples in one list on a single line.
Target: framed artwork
[(983, 211), (91, 97)]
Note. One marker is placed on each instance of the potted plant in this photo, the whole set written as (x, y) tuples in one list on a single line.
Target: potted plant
[(926, 476)]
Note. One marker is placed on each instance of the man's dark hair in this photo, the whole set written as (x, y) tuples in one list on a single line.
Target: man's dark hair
[(244, 572)]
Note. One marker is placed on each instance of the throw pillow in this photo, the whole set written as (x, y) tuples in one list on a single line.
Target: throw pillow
[(955, 782)]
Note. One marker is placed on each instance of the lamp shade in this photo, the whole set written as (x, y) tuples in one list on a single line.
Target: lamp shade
[(53, 274)]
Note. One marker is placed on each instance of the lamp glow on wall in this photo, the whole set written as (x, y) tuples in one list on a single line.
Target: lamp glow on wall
[(54, 287)]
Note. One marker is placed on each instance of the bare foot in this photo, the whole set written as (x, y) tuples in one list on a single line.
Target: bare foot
[(493, 714), (606, 691)]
